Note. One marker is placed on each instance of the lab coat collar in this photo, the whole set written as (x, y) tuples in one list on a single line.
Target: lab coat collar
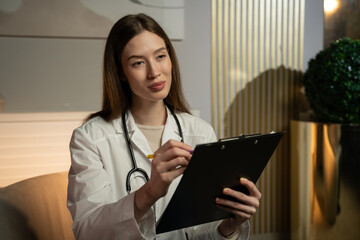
[(171, 131), (136, 136)]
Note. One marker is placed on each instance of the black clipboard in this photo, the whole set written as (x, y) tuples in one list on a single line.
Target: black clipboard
[(212, 167)]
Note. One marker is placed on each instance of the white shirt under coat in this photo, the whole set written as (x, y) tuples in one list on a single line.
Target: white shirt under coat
[(100, 162)]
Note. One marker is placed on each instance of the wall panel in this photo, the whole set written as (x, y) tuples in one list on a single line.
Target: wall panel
[(32, 144), (256, 62)]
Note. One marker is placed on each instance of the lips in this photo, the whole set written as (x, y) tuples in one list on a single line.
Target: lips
[(158, 86)]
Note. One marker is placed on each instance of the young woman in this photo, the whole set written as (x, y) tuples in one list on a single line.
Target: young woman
[(143, 113)]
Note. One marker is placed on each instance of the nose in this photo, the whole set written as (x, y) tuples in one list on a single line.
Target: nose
[(153, 71)]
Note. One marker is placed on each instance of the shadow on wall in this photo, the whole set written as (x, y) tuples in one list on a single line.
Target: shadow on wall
[(268, 103)]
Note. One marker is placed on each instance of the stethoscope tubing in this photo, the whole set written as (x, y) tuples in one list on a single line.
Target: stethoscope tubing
[(133, 161)]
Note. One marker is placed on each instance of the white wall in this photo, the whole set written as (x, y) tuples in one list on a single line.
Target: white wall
[(314, 30), (49, 74), (57, 74), (194, 55)]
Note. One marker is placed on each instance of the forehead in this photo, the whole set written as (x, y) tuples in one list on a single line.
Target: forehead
[(144, 43)]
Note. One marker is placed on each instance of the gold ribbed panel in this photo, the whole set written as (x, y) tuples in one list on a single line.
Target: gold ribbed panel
[(256, 61)]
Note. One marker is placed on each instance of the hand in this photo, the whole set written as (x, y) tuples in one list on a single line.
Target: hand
[(169, 162), (243, 211)]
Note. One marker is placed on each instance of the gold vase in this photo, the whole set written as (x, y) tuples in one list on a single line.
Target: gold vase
[(325, 183)]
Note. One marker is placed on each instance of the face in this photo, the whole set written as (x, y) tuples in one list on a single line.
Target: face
[(147, 67)]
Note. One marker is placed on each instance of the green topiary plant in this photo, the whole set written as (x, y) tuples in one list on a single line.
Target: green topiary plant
[(332, 82)]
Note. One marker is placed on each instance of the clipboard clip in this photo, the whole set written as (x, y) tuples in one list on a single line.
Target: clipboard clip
[(231, 138), (239, 137)]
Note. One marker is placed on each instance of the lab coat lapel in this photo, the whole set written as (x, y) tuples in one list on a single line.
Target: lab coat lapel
[(136, 136), (171, 130)]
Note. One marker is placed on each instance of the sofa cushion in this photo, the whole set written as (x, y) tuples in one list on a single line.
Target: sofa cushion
[(35, 208)]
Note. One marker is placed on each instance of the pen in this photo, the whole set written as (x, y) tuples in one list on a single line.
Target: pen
[(151, 156)]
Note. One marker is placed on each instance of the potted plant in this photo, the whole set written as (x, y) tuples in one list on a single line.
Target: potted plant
[(332, 82), (326, 150)]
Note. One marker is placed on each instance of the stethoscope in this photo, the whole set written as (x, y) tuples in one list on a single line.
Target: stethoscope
[(135, 167)]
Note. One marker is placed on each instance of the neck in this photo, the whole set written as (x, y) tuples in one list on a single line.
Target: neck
[(150, 115)]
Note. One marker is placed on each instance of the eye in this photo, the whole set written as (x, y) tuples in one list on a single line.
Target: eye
[(137, 63), (161, 56)]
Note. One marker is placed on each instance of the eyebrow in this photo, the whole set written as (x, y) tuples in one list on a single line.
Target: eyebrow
[(156, 51)]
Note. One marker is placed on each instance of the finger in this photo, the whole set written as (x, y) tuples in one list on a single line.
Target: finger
[(173, 144), (172, 153), (251, 187), (243, 216), (173, 164), (242, 197), (236, 206), (171, 175)]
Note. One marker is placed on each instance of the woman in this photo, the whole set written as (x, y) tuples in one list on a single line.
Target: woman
[(143, 112)]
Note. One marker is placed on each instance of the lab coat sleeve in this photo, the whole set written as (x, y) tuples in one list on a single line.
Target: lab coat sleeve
[(211, 136), (96, 213), (210, 231)]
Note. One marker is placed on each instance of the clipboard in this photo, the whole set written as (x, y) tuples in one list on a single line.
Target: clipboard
[(212, 167)]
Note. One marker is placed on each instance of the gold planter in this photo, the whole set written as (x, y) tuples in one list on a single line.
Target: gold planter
[(325, 183)]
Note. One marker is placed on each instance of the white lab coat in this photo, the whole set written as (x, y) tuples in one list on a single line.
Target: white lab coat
[(100, 162)]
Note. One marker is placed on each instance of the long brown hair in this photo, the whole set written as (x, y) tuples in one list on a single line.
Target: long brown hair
[(116, 90)]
